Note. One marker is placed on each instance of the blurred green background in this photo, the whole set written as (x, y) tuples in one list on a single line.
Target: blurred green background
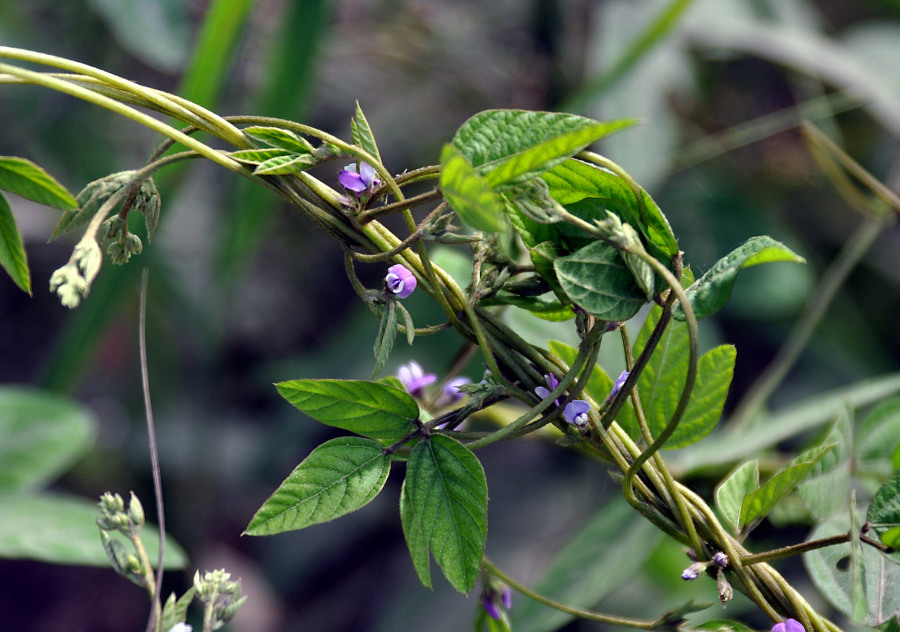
[(242, 293)]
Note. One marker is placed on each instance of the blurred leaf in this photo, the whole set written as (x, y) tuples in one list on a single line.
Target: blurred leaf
[(156, 31), (175, 611), (884, 512), (757, 504), (468, 193), (90, 199), (829, 569), (42, 435), (711, 291), (599, 560), (63, 530), (730, 446), (720, 625), (362, 133), (28, 180), (12, 249), (448, 491), (857, 567), (597, 280), (371, 409), (519, 144), (878, 436), (730, 493), (826, 490), (675, 616), (217, 39), (148, 203), (415, 537), (280, 139), (338, 477)]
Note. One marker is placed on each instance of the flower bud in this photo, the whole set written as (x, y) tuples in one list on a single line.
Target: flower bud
[(136, 511), (723, 587), (693, 571), (720, 559)]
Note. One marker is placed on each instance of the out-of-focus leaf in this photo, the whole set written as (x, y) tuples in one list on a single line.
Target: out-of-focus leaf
[(857, 567), (730, 446), (711, 291), (468, 193), (415, 537), (63, 530), (28, 180), (826, 490), (829, 569), (448, 491), (42, 435), (13, 258), (731, 492), (371, 409), (757, 504), (878, 436), (589, 567), (721, 625), (338, 477), (175, 610), (156, 31)]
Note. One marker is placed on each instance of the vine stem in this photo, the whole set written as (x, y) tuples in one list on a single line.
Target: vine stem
[(589, 615)]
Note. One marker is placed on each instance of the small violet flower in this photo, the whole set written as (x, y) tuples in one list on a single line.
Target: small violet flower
[(693, 571), (576, 412), (450, 392), (620, 381), (788, 625), (400, 281), (358, 180), (414, 379), (543, 392), (494, 599)]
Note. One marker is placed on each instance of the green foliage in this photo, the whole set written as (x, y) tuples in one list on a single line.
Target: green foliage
[(26, 179), (415, 537), (711, 291), (884, 512), (12, 249), (468, 193), (370, 409), (730, 493), (387, 333), (827, 488), (448, 493), (362, 133), (338, 477)]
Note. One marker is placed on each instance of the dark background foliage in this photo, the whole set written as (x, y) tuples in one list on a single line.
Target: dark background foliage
[(242, 293)]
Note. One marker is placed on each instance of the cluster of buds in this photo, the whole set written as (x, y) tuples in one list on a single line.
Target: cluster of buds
[(496, 599), (122, 244), (221, 596), (719, 561), (116, 518)]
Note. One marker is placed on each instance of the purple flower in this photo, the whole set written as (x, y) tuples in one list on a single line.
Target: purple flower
[(720, 559), (693, 571), (400, 281), (495, 598), (576, 412), (490, 607), (414, 379), (358, 180), (788, 625), (620, 381), (552, 382), (450, 393)]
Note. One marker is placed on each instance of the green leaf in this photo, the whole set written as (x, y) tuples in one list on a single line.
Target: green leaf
[(468, 193), (280, 138), (338, 477), (370, 409), (730, 493), (362, 133), (258, 156), (91, 198), (12, 248), (832, 574), (28, 180), (279, 165), (147, 202), (519, 144), (415, 537), (884, 512), (597, 279), (879, 436), (175, 611), (597, 190), (711, 291), (158, 33), (827, 488), (42, 435), (596, 562), (546, 308), (63, 530), (448, 491), (662, 381), (387, 333), (857, 566), (757, 504), (721, 625)]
